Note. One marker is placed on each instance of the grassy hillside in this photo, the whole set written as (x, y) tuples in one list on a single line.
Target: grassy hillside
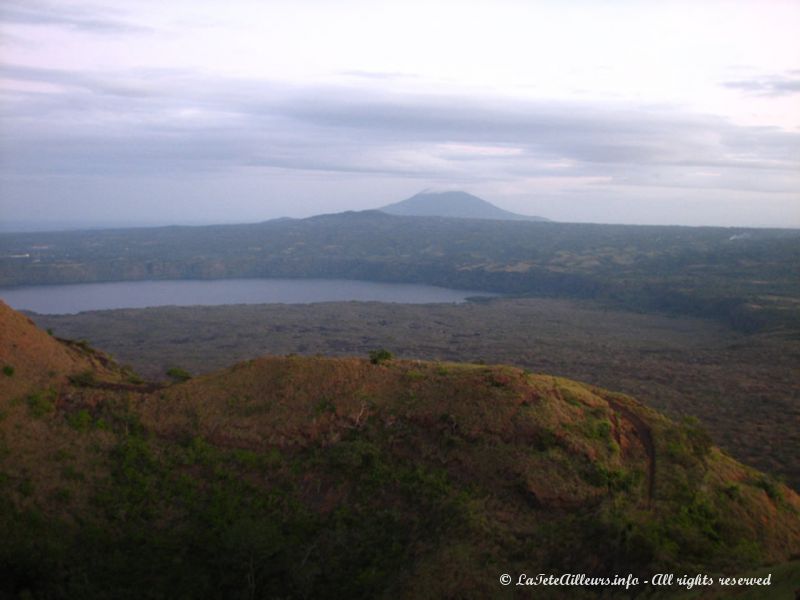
[(742, 387), (327, 478), (31, 359)]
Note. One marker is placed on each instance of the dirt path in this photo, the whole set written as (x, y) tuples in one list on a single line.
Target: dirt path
[(645, 435)]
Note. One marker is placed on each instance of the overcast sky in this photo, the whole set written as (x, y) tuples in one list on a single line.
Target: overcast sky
[(197, 111)]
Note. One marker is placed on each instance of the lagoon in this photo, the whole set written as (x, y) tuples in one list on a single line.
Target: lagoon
[(75, 298)]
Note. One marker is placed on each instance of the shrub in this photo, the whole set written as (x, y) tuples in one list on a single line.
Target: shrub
[(733, 491), (25, 487), (80, 421), (324, 406), (8, 370), (84, 379), (377, 357), (62, 495), (415, 375), (41, 403), (699, 439), (178, 374), (770, 486)]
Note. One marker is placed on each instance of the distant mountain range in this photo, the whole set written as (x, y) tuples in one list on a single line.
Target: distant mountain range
[(453, 204)]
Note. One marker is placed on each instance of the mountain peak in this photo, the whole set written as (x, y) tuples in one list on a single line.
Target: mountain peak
[(456, 204)]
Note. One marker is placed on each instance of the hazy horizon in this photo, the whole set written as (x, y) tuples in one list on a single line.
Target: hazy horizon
[(143, 114), (45, 226)]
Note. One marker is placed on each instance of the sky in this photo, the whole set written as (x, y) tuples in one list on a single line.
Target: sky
[(145, 112)]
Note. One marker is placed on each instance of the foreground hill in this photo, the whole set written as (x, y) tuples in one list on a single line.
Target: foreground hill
[(331, 478), (453, 204), (31, 359)]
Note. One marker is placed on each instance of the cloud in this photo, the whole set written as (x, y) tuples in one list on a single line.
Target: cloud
[(74, 79), (770, 86), (166, 122), (85, 19), (392, 75)]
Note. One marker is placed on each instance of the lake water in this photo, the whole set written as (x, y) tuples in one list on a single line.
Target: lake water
[(68, 299)]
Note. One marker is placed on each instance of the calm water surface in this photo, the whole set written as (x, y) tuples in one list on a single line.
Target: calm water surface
[(66, 299)]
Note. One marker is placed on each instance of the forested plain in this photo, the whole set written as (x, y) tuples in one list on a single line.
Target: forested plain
[(746, 278)]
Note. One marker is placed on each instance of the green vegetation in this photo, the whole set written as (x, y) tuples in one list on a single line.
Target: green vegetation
[(740, 387), (178, 374), (306, 477), (83, 379), (377, 357), (81, 420), (770, 486), (749, 279), (41, 403), (345, 488), (8, 370)]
